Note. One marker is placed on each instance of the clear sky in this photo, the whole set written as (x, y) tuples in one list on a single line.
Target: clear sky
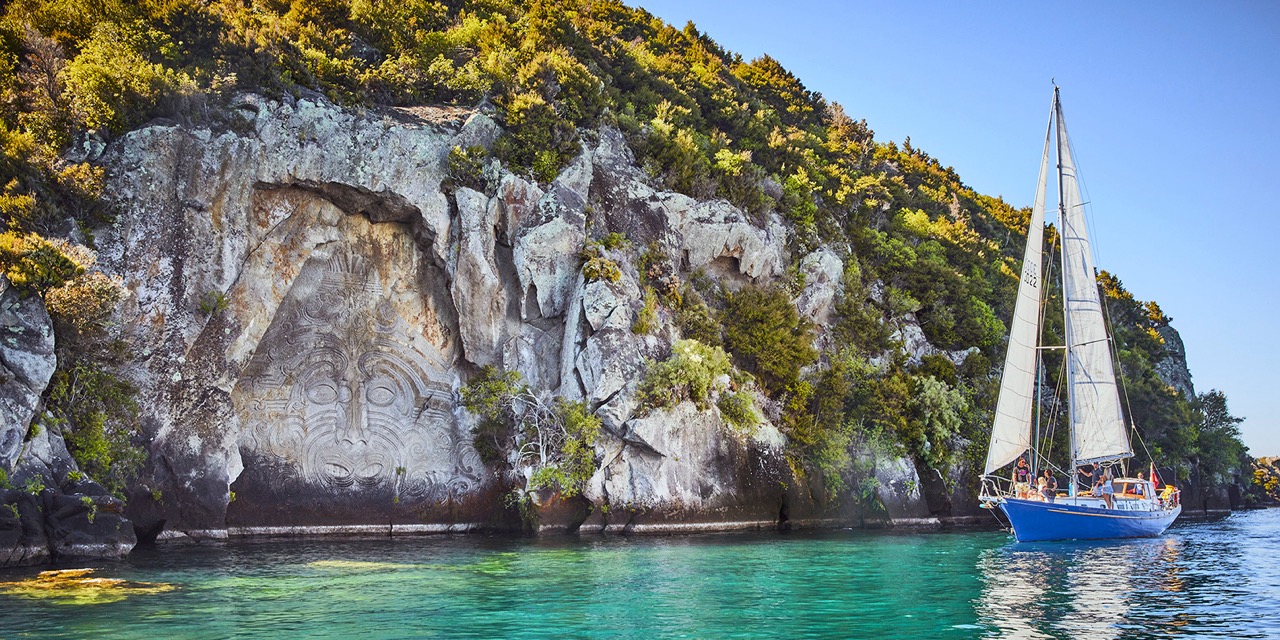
[(1172, 108)]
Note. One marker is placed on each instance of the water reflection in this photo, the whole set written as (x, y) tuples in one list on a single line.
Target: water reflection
[(1174, 586)]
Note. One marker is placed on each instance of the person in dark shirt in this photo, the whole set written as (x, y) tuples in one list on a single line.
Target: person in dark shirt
[(1049, 488), (1022, 473), (1022, 478), (1086, 477)]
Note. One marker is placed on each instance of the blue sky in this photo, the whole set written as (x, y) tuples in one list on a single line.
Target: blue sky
[(1172, 108)]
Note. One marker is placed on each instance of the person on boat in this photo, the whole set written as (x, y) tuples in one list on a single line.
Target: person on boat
[(1086, 477), (1048, 486), (1107, 491), (1022, 478), (1140, 487)]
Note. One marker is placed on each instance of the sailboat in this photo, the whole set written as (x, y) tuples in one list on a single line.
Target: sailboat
[(1098, 432)]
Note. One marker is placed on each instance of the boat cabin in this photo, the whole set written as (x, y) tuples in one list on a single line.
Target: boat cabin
[(1133, 488)]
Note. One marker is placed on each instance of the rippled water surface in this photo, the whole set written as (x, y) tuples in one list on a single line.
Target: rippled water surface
[(1219, 579)]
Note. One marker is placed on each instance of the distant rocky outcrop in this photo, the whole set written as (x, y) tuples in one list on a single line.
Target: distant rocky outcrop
[(1173, 368)]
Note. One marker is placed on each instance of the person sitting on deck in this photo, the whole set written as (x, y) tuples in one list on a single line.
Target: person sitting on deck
[(1106, 490), (1097, 480), (1048, 486), (1140, 488)]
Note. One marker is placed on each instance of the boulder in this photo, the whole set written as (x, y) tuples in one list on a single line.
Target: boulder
[(683, 465), (84, 526), (823, 279)]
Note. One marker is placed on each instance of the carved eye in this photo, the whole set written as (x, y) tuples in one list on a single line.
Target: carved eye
[(380, 396), (322, 393)]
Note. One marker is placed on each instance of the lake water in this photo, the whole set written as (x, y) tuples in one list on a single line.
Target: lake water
[(1219, 579)]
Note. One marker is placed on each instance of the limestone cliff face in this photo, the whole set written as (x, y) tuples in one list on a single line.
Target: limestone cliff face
[(308, 297)]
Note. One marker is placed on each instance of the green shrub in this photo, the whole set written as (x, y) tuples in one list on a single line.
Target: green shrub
[(536, 138), (596, 265), (647, 319), (576, 456), (91, 506), (739, 410), (214, 302), (34, 264), (613, 241), (466, 167), (84, 305), (556, 440), (695, 318), (694, 371), (98, 416), (112, 84), (767, 336)]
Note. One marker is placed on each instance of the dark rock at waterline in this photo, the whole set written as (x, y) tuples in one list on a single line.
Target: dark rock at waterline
[(79, 526), (22, 537)]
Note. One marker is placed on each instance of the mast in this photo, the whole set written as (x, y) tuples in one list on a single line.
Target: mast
[(1062, 248)]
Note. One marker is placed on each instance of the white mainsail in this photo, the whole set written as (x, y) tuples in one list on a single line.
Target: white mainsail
[(1011, 430), (1097, 423)]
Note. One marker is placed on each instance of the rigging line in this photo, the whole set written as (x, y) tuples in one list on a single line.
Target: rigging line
[(1055, 407)]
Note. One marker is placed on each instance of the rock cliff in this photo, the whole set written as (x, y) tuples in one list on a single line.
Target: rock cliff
[(308, 295), (48, 508)]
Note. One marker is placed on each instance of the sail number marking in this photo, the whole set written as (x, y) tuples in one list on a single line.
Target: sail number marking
[(1031, 278)]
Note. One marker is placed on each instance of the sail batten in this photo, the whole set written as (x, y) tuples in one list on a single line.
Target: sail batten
[(1097, 421)]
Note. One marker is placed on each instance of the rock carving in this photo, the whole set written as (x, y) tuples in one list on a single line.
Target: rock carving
[(344, 394)]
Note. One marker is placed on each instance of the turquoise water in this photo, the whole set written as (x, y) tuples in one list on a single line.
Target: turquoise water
[(1218, 579)]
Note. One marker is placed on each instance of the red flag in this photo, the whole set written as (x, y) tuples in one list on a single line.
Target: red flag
[(1155, 481)]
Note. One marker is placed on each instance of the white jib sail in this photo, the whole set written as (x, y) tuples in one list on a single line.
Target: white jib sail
[(1097, 423), (1011, 429)]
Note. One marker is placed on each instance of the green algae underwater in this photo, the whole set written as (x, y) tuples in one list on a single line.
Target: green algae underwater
[(1199, 580)]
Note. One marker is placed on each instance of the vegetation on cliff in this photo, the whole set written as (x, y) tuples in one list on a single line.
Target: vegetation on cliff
[(920, 247)]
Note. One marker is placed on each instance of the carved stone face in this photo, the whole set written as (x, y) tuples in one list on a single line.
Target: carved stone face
[(345, 393)]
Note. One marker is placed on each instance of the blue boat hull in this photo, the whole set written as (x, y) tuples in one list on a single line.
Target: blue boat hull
[(1033, 520)]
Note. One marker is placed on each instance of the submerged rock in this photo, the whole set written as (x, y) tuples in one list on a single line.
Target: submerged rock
[(80, 587)]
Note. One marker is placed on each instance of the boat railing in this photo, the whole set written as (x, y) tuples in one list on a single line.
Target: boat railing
[(995, 488)]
